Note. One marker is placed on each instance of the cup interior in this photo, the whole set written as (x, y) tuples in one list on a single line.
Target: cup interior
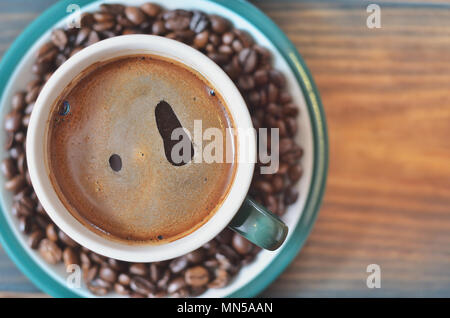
[(134, 45)]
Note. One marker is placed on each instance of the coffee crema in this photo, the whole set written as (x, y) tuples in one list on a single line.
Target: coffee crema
[(106, 156)]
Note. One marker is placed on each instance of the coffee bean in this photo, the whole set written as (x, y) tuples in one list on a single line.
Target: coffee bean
[(176, 284), (18, 101), (103, 26), (151, 9), (241, 245), (112, 8), (140, 269), (124, 279), (24, 224), (248, 59), (86, 19), (104, 17), (8, 168), (49, 251), (135, 15), (201, 39), (221, 279), (90, 273), (82, 36), (121, 289), (244, 37), (178, 264), (59, 38), (108, 274), (63, 237), (199, 22), (196, 256), (35, 238), (158, 28), (117, 265), (218, 24), (93, 38), (164, 280), (16, 184), (177, 23), (70, 256), (227, 38), (196, 276), (291, 195), (51, 232), (97, 287), (141, 285), (12, 121), (295, 172)]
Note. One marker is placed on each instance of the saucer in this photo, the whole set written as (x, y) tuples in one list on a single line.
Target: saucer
[(15, 72)]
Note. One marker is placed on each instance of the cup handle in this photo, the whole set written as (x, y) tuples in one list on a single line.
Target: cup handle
[(259, 225)]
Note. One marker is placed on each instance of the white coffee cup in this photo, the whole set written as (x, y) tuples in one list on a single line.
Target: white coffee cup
[(256, 223)]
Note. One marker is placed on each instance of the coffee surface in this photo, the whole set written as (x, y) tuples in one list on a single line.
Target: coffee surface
[(106, 156)]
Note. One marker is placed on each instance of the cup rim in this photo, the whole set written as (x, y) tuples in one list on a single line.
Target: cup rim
[(121, 46)]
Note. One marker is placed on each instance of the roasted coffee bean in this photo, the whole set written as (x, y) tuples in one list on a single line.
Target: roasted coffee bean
[(196, 257), (178, 12), (70, 256), (108, 274), (164, 280), (103, 26), (261, 77), (291, 196), (121, 289), (24, 224), (214, 39), (196, 276), (225, 236), (199, 22), (112, 8), (16, 183), (141, 285), (244, 37), (124, 279), (219, 24), (201, 39), (18, 101), (35, 238), (227, 38), (22, 163), (295, 172), (241, 245), (51, 232), (59, 38), (13, 121), (8, 168), (82, 36), (221, 279), (178, 264), (151, 9), (103, 17), (26, 120), (264, 186), (41, 221), (140, 269), (93, 38), (63, 237), (290, 109), (176, 284), (246, 83), (158, 28), (177, 23), (248, 59), (135, 15), (96, 258), (89, 273), (49, 251), (97, 287), (117, 265), (155, 272)]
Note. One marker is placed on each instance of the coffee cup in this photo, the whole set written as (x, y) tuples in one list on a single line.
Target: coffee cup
[(236, 210)]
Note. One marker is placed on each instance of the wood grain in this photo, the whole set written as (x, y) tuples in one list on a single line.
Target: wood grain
[(386, 94)]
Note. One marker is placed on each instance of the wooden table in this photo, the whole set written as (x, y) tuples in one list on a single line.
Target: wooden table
[(386, 94)]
